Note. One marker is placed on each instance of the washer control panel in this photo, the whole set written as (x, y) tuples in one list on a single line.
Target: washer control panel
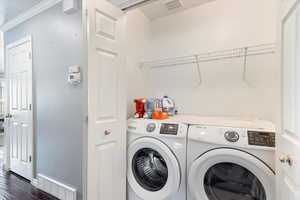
[(257, 138), (232, 136), (169, 129)]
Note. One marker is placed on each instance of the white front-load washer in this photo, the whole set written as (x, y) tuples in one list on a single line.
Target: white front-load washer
[(231, 160), (156, 160)]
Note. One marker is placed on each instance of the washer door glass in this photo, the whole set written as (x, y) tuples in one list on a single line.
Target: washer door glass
[(228, 181), (150, 169)]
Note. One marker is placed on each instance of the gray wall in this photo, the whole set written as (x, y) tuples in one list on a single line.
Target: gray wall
[(59, 107)]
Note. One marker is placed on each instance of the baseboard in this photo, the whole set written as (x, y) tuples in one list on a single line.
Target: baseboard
[(34, 182), (55, 188), (5, 167)]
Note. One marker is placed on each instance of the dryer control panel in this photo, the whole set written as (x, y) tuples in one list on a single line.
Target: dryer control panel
[(233, 137), (257, 138)]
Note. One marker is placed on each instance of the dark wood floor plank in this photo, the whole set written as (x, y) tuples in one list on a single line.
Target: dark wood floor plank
[(13, 187)]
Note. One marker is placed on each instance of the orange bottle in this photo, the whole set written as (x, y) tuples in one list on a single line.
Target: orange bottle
[(156, 114)]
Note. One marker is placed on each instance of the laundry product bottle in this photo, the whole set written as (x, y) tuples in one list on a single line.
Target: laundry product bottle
[(149, 107), (168, 105)]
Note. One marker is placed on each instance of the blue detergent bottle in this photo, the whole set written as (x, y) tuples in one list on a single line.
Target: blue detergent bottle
[(149, 107)]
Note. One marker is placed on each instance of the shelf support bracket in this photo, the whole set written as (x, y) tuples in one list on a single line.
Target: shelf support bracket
[(199, 69), (245, 63)]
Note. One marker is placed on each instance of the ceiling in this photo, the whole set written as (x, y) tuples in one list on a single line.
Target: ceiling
[(161, 8), (9, 9)]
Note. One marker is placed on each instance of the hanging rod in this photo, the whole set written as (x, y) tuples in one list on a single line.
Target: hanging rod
[(256, 50)]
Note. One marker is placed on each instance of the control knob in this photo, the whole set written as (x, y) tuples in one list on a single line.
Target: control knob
[(151, 127), (232, 136)]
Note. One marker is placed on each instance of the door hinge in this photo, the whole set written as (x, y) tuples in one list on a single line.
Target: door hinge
[(86, 12), (29, 55), (30, 158), (30, 106)]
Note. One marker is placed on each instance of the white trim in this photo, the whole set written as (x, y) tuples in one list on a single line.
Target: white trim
[(2, 54), (34, 182), (85, 100), (55, 188), (35, 10), (286, 8), (19, 42), (5, 167)]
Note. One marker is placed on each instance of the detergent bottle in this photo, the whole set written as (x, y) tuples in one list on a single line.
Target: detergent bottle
[(139, 107), (149, 107), (168, 105)]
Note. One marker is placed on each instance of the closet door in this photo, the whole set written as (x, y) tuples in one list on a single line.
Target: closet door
[(106, 175), (289, 137)]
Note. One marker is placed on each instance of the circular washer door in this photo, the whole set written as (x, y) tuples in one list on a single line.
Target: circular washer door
[(153, 170), (230, 174)]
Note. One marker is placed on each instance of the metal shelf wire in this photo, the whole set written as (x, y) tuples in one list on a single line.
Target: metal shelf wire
[(242, 52)]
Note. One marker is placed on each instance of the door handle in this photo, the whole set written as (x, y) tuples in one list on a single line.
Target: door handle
[(8, 116), (282, 159), (289, 160), (107, 132), (286, 159)]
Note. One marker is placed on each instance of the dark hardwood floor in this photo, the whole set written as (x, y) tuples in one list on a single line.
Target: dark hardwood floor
[(13, 187)]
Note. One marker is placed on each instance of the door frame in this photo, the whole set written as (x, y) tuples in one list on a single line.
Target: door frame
[(286, 8), (85, 28), (25, 39)]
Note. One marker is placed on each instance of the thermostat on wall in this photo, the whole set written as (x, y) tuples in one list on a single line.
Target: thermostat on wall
[(74, 75)]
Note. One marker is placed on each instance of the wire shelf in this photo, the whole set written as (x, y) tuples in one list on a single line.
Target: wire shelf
[(242, 52)]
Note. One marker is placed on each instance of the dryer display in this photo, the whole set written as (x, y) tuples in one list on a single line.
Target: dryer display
[(257, 138)]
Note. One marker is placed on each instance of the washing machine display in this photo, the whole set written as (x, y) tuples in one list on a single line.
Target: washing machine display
[(169, 129), (229, 181), (150, 169)]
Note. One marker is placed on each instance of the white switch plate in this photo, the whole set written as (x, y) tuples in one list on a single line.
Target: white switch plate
[(74, 69), (74, 75), (74, 78)]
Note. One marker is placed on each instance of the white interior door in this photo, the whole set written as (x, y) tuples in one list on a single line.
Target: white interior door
[(20, 124), (289, 139), (106, 175)]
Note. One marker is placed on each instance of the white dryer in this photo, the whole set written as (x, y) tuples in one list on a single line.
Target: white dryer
[(231, 159), (156, 160)]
